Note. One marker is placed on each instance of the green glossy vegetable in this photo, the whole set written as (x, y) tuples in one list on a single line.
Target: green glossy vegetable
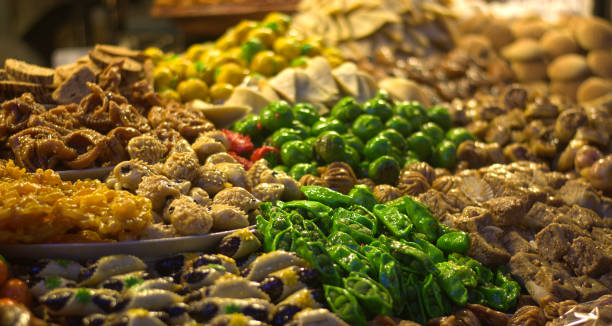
[(377, 147), (353, 141), (512, 288), (401, 125), (433, 131), (294, 152), (326, 196), (348, 260), (421, 145), (345, 305), (351, 156), (459, 135), (372, 296), (344, 239), (284, 240), (411, 255), (451, 283), (440, 116), (395, 222), (282, 136), (248, 126), (311, 232), (384, 170), (396, 138), (384, 95), (414, 295), (281, 168), (445, 155), (390, 276), (358, 228), (422, 219), (367, 126), (346, 110), (299, 170), (434, 301), (454, 242), (315, 254), (436, 255), (483, 274), (329, 146), (303, 129), (413, 112), (310, 209), (362, 195), (379, 108), (495, 297), (250, 48), (276, 115), (330, 124), (306, 113)]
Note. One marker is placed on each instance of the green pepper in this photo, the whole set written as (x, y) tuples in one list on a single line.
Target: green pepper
[(312, 232), (379, 108), (345, 305), (294, 152), (496, 297), (414, 295), (315, 254), (310, 209), (248, 126), (401, 125), (343, 239), (353, 141), (433, 131), (346, 110), (384, 170), (362, 195), (284, 240), (397, 223), (434, 301), (367, 126), (306, 113), (326, 196), (445, 155), (373, 297), (459, 135), (324, 125), (444, 229), (282, 136), (451, 283), (348, 260), (422, 219), (299, 170), (440, 116), (395, 137), (436, 255), (364, 219), (512, 288), (376, 147), (420, 144), (454, 242), (365, 213), (411, 255), (282, 168), (329, 146), (250, 48), (390, 277), (484, 274), (356, 230), (413, 112), (276, 115)]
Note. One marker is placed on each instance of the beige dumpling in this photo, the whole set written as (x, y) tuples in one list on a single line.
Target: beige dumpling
[(228, 217), (146, 148), (205, 146), (238, 197), (158, 189), (189, 218), (182, 166), (236, 174), (210, 179)]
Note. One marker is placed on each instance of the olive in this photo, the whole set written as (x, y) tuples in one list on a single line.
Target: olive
[(353, 141), (367, 126), (243, 28), (459, 135), (351, 156), (288, 47), (376, 147), (312, 46), (329, 146), (281, 22), (413, 112), (306, 113), (295, 151), (249, 126), (303, 129), (396, 138), (445, 155), (439, 115), (379, 108), (230, 73), (347, 109), (330, 124), (192, 89), (384, 95), (433, 131), (310, 141), (299, 170), (384, 170), (400, 125), (282, 136), (421, 145), (169, 266), (276, 115), (282, 168), (196, 69)]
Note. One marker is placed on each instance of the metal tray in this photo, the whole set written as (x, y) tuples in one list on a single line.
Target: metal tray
[(140, 248), (93, 173)]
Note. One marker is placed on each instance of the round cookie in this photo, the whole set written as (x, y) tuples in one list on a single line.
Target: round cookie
[(566, 89), (568, 67), (524, 49), (527, 71), (593, 88), (532, 28), (558, 42), (594, 33), (498, 33), (600, 62)]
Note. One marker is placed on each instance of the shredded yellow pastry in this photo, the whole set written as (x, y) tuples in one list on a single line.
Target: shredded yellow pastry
[(40, 208)]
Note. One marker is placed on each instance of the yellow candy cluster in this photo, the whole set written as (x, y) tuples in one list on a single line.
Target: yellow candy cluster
[(210, 71), (40, 208)]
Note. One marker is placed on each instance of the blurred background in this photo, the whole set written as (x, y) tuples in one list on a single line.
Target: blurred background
[(54, 32)]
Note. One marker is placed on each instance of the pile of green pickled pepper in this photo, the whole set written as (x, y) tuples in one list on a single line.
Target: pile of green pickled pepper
[(391, 259), (377, 138)]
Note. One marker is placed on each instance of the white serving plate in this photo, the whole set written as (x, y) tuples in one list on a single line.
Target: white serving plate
[(140, 248), (93, 173)]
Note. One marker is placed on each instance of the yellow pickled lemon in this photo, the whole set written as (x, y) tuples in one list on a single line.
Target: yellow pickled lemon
[(278, 22), (235, 54), (192, 89), (332, 52), (265, 34), (281, 62), (242, 29), (226, 41), (312, 47), (196, 69), (163, 77), (194, 52), (221, 91), (210, 55), (154, 53), (264, 63), (179, 66), (288, 47), (230, 73), (170, 95)]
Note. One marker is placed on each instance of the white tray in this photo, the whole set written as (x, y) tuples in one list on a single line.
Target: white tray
[(141, 248)]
